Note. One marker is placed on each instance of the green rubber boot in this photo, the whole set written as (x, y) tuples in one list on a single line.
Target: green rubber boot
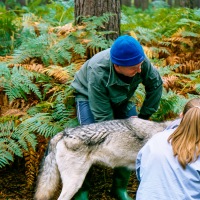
[(83, 192), (82, 195), (120, 181)]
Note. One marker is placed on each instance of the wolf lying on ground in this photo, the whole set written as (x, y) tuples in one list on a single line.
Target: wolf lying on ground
[(72, 152)]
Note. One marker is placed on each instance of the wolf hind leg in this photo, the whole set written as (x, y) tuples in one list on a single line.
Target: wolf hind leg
[(72, 182), (48, 180), (73, 177), (73, 167)]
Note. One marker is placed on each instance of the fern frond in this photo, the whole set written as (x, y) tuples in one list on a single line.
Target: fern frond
[(192, 85), (188, 22), (188, 66), (171, 106), (9, 142), (59, 52), (98, 42), (58, 72), (30, 157), (167, 70), (8, 29), (176, 39), (97, 21), (154, 52), (60, 110), (139, 96), (169, 81), (41, 123), (33, 48), (147, 36), (198, 87), (12, 146), (4, 71), (190, 34), (79, 49), (5, 156), (19, 84)]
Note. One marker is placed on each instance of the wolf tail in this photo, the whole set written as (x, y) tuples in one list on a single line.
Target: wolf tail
[(49, 176)]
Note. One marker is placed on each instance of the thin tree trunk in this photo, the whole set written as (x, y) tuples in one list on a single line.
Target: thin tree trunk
[(197, 4), (145, 4), (88, 8), (177, 3), (141, 4), (22, 2), (126, 2), (190, 4), (170, 3), (137, 3)]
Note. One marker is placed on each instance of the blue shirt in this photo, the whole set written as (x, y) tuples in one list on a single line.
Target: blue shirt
[(160, 174), (174, 124)]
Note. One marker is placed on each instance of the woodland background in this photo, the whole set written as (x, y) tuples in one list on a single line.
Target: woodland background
[(40, 50)]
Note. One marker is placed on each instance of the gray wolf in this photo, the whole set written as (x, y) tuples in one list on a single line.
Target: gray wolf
[(73, 151)]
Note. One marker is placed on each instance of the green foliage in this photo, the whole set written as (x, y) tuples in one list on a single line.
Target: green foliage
[(147, 36), (9, 144), (30, 33), (194, 78), (94, 22), (48, 118), (56, 13), (8, 30), (161, 21), (52, 49), (158, 4), (42, 123), (53, 12), (171, 104), (167, 70), (94, 32), (191, 26), (13, 140), (11, 4), (45, 118), (18, 82)]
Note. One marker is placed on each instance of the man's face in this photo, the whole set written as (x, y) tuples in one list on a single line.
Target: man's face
[(128, 71)]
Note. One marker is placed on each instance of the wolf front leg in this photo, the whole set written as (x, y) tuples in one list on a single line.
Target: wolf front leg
[(73, 167)]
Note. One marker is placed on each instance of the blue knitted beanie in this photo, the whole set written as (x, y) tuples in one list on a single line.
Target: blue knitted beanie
[(126, 51)]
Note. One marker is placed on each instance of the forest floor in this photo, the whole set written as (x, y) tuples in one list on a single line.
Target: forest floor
[(13, 184)]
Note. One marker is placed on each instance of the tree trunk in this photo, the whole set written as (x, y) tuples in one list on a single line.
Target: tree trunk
[(185, 3), (170, 3), (190, 4), (137, 3), (141, 4), (196, 4), (177, 3), (89, 8), (22, 2), (126, 2), (145, 4)]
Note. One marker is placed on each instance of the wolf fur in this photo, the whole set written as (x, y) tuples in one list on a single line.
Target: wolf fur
[(72, 152)]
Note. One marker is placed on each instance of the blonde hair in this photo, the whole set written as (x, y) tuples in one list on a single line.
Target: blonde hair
[(185, 140)]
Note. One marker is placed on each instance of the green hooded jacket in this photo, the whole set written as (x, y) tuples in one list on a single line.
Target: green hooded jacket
[(98, 83)]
